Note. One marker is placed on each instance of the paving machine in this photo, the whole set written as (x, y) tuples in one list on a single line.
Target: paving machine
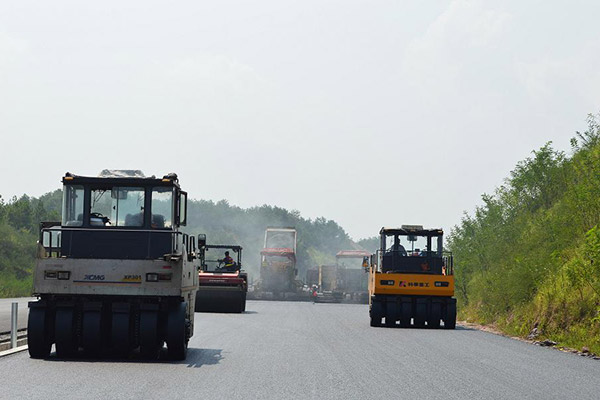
[(278, 263), (325, 283), (116, 274), (222, 282), (415, 286), (346, 281), (353, 274)]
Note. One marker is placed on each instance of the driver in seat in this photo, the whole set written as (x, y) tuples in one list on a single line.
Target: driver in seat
[(397, 247), (228, 261)]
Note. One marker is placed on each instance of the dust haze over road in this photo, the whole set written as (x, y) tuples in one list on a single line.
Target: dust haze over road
[(306, 351)]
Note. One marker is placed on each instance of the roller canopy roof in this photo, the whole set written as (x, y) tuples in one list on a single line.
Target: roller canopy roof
[(122, 177), (416, 232), (223, 246)]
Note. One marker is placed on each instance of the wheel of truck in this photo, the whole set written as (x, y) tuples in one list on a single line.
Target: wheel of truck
[(38, 334), (376, 313), (176, 332), (64, 333), (420, 313), (435, 315), (149, 340), (450, 317), (405, 313), (119, 333), (91, 334), (391, 313)]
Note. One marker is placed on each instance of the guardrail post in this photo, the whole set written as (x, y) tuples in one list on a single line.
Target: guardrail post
[(13, 324)]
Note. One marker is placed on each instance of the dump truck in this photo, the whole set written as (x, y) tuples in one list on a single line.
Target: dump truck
[(278, 262), (415, 286), (223, 284), (116, 275)]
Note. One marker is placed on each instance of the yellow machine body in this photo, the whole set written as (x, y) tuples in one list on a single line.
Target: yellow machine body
[(412, 287), (410, 284)]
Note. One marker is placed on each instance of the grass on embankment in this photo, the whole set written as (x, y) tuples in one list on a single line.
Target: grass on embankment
[(530, 255)]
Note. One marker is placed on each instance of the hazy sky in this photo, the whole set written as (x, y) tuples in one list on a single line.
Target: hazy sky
[(370, 113)]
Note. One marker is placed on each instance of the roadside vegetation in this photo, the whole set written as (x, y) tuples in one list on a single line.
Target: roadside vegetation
[(529, 257), (19, 226)]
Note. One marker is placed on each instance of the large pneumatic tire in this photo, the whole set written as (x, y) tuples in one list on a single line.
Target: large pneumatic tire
[(91, 334), (405, 312), (450, 317), (420, 313), (376, 313), (149, 339), (435, 314), (391, 313), (120, 329), (38, 333), (64, 332), (176, 332)]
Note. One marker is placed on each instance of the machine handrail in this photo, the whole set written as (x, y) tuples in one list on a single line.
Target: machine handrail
[(51, 251), (446, 256)]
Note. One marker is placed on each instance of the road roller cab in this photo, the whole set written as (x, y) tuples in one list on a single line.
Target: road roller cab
[(411, 280), (116, 274), (223, 284)]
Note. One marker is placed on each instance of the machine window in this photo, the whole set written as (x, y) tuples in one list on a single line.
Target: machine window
[(183, 208), (72, 210), (117, 206), (162, 207)]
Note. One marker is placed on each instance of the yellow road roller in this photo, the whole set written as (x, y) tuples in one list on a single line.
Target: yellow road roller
[(411, 282)]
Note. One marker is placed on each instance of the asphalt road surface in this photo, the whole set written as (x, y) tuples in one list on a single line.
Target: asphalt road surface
[(287, 350), (22, 313)]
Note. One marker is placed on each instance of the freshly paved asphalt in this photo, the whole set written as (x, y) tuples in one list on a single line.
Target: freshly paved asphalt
[(22, 313), (288, 350)]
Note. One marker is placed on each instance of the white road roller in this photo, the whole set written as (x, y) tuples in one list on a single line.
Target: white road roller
[(116, 274)]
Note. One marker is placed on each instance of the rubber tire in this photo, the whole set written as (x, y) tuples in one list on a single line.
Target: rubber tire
[(391, 314), (376, 313), (176, 332), (405, 314), (420, 313), (38, 334), (91, 333), (149, 341), (435, 315), (119, 334), (64, 333), (450, 318)]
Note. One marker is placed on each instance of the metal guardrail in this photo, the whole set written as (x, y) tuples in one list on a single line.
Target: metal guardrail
[(14, 312), (14, 337)]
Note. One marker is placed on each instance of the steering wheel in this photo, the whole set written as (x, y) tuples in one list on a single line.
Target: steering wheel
[(98, 215)]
